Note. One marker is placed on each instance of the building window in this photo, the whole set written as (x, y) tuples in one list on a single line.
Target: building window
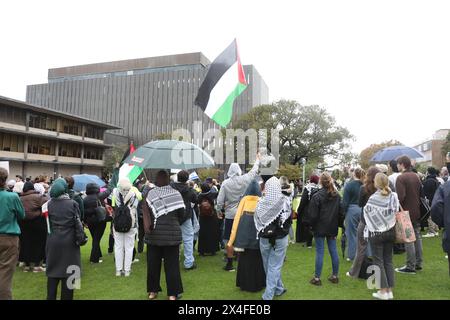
[(12, 115), (93, 153), (42, 121), (11, 142), (94, 133), (69, 150), (41, 146), (71, 127)]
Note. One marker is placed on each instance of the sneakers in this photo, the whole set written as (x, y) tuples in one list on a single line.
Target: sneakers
[(135, 261), (127, 273), (333, 279), (348, 274), (430, 235), (118, 273), (229, 268), (380, 296), (26, 269), (21, 264), (390, 295), (194, 266), (405, 270), (315, 282), (282, 292), (38, 269)]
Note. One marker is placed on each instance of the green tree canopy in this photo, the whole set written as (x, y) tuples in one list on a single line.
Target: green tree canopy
[(305, 131)]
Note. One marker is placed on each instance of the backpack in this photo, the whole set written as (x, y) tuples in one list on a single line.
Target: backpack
[(122, 217), (205, 208)]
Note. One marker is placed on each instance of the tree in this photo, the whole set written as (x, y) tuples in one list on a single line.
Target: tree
[(369, 152), (209, 172), (113, 156), (305, 131), (446, 145)]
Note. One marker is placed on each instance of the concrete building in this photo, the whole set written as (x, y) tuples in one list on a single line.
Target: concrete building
[(146, 97), (432, 149), (39, 141)]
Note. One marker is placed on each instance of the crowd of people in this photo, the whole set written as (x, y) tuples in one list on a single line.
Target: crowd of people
[(248, 216)]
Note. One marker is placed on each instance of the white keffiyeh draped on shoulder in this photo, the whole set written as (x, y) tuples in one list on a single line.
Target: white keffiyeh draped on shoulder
[(379, 213), (163, 200), (271, 206)]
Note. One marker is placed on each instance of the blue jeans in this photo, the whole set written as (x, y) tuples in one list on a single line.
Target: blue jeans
[(320, 248), (187, 232), (352, 218), (273, 259)]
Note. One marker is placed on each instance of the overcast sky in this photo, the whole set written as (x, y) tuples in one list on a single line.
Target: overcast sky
[(382, 68)]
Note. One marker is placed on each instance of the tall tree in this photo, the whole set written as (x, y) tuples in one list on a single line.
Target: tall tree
[(305, 131), (446, 145), (369, 152)]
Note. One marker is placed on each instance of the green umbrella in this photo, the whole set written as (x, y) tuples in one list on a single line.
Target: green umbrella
[(170, 154)]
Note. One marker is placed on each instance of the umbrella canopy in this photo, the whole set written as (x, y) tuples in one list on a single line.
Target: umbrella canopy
[(81, 180), (170, 154), (392, 153)]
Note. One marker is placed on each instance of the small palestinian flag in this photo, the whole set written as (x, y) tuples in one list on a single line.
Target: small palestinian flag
[(129, 171), (223, 83)]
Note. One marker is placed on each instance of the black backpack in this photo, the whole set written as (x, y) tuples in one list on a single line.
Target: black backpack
[(122, 217)]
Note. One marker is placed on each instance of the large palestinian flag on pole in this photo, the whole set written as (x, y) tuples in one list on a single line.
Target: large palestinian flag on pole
[(223, 83)]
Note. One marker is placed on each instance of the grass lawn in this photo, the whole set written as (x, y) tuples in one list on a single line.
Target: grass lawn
[(209, 281)]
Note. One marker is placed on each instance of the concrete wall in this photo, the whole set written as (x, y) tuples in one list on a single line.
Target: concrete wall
[(34, 169), (15, 168), (66, 170), (92, 170)]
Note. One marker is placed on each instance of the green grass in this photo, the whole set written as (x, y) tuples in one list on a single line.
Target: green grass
[(209, 281)]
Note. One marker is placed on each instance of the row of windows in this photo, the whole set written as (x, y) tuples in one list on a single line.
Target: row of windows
[(12, 115), (10, 142)]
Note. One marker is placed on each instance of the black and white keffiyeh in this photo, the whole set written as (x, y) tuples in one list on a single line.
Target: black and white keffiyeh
[(163, 200), (379, 213), (271, 206)]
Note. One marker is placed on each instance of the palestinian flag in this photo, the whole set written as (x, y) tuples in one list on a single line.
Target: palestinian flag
[(223, 83), (129, 171)]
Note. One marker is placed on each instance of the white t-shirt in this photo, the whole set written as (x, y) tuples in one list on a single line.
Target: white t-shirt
[(393, 178)]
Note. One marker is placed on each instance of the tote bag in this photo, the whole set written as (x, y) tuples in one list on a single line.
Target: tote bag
[(404, 231)]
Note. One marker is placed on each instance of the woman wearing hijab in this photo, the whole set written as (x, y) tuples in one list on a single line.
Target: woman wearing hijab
[(208, 238), (250, 271), (34, 229), (125, 195), (162, 212), (63, 255), (230, 195), (272, 221)]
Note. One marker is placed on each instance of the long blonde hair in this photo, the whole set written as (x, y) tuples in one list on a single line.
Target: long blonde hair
[(382, 183)]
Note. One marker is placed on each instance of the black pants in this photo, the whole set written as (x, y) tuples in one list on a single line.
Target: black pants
[(170, 255), (141, 234), (111, 238), (97, 230), (52, 289)]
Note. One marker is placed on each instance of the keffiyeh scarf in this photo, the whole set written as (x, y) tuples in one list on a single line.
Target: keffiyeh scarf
[(271, 206), (379, 213), (163, 200)]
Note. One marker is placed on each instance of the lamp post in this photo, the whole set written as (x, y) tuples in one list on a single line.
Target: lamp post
[(303, 161)]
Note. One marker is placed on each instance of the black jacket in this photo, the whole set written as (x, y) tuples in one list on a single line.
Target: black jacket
[(440, 213), (303, 208), (189, 197), (90, 202), (326, 214), (430, 185), (166, 232)]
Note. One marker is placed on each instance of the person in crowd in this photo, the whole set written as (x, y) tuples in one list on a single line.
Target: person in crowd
[(409, 188), (394, 175), (272, 221), (187, 227), (326, 212), (76, 196), (18, 187), (216, 184), (352, 210), (303, 228), (351, 176), (440, 213), (34, 229), (94, 199), (430, 186), (143, 189), (229, 197), (385, 169), (444, 174), (10, 185), (162, 211), (363, 247), (379, 214), (125, 195), (62, 253), (39, 184), (11, 213), (209, 234), (288, 192), (250, 270), (212, 184)]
